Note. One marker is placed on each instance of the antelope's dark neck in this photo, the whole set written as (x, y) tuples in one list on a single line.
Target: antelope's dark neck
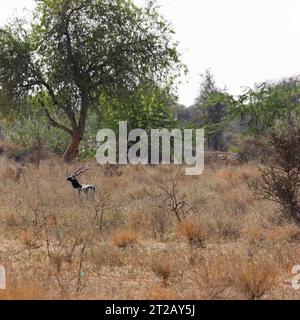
[(76, 184)]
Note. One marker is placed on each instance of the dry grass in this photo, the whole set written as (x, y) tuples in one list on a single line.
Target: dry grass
[(215, 240), (161, 266), (160, 292), (27, 237), (255, 277), (124, 238), (24, 291), (194, 231), (105, 256), (212, 275)]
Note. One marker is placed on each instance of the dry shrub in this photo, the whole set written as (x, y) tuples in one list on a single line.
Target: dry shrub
[(238, 200), (227, 226), (105, 255), (277, 243), (6, 146), (51, 220), (253, 149), (285, 255), (124, 238), (279, 181), (289, 232), (159, 292), (11, 173), (227, 178), (136, 221), (248, 172), (11, 220), (254, 276), (160, 223), (169, 196), (161, 266), (225, 174), (112, 170), (9, 170), (28, 238), (212, 275), (57, 260), (195, 232), (253, 233), (279, 234)]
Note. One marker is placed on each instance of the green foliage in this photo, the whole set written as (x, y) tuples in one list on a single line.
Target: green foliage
[(147, 107), (215, 112), (234, 149), (144, 108), (30, 124), (76, 50), (261, 107), (211, 111)]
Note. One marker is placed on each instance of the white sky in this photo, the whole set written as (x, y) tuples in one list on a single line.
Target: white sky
[(241, 41)]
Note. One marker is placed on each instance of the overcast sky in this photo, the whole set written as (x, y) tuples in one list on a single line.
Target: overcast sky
[(241, 41)]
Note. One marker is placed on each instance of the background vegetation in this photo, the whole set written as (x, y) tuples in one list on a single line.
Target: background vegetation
[(151, 232)]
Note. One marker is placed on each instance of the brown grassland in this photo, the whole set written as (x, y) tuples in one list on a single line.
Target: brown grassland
[(150, 233)]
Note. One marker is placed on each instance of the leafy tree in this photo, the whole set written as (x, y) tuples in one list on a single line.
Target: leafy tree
[(261, 107), (211, 109), (280, 179), (207, 87), (28, 127), (145, 108), (217, 119), (76, 50)]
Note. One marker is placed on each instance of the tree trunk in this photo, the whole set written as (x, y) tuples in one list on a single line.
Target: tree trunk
[(73, 148), (77, 131)]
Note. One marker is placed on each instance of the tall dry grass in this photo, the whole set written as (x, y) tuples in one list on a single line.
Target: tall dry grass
[(136, 240)]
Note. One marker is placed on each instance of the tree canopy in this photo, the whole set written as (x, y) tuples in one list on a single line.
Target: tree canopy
[(261, 107), (74, 50), (211, 110)]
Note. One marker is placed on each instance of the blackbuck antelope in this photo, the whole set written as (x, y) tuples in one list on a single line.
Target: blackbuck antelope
[(85, 188)]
